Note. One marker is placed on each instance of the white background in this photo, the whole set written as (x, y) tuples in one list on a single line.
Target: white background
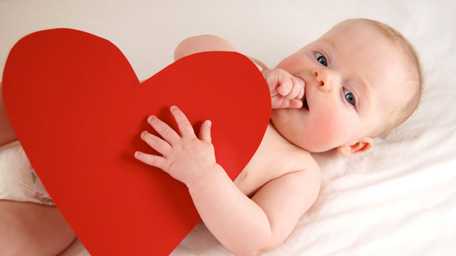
[(399, 199)]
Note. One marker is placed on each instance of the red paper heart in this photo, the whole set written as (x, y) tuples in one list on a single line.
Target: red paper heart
[(78, 108)]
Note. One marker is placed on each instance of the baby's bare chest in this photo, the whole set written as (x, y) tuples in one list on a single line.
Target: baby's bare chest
[(274, 157)]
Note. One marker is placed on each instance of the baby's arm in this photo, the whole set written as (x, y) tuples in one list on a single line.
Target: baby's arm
[(205, 43), (286, 90), (243, 225), (250, 226)]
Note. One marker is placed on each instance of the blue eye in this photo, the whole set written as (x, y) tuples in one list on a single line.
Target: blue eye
[(350, 97), (321, 59)]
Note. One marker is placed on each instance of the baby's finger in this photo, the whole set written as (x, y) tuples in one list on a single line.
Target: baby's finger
[(281, 102), (285, 103), (285, 86), (205, 131), (156, 143), (294, 92), (277, 102), (183, 123), (294, 103), (301, 92), (298, 85), (302, 87), (152, 160), (164, 130)]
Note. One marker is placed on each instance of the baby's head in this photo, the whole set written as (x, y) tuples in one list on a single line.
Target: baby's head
[(362, 79)]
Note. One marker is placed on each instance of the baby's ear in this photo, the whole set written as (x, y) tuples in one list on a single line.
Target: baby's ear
[(360, 146)]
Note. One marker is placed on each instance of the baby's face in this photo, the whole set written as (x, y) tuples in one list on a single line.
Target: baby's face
[(353, 77)]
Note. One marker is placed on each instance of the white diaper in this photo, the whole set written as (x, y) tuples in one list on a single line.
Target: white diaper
[(18, 180)]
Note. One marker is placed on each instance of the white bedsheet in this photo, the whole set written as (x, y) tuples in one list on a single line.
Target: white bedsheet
[(399, 199)]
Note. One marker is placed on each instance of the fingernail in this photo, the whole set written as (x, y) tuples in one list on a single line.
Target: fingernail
[(173, 107), (151, 118)]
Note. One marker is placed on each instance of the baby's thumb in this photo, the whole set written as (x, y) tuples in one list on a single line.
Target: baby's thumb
[(205, 131)]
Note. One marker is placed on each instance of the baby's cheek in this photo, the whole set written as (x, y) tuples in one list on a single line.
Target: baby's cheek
[(335, 130)]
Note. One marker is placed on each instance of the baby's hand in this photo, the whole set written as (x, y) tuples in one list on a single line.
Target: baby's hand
[(286, 90), (184, 156)]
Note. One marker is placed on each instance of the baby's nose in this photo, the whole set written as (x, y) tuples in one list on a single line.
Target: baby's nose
[(322, 81)]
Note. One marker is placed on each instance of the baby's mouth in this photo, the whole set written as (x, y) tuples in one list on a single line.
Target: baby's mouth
[(304, 103)]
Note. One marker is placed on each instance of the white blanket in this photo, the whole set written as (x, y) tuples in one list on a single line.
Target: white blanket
[(399, 199)]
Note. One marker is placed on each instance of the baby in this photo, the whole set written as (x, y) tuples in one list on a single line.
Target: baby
[(356, 82)]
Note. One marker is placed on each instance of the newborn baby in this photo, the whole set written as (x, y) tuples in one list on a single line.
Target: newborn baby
[(358, 81)]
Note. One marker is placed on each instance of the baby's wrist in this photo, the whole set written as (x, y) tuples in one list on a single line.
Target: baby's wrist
[(207, 175)]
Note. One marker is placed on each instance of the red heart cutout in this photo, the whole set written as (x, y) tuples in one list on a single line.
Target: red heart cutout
[(77, 109)]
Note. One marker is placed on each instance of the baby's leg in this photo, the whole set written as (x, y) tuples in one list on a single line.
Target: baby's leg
[(32, 229), (29, 228)]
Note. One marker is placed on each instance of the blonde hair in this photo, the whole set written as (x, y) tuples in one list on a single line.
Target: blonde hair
[(399, 115)]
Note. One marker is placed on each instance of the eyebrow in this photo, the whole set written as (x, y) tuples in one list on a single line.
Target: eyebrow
[(330, 43)]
